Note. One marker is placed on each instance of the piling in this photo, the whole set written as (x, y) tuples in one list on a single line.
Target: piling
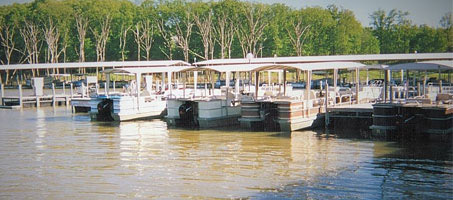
[(2, 87), (20, 95), (83, 90), (64, 88), (106, 89), (37, 101), (53, 95), (326, 103), (71, 89), (418, 89)]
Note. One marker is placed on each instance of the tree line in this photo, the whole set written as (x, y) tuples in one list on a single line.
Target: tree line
[(52, 31)]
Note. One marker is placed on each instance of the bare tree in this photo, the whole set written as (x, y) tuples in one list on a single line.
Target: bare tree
[(30, 35), (137, 38), (295, 36), (169, 41), (183, 34), (123, 38), (7, 41), (102, 37), (250, 32), (52, 36), (82, 26), (224, 31), (205, 29), (147, 38)]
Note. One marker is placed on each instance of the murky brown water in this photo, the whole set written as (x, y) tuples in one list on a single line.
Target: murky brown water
[(54, 154)]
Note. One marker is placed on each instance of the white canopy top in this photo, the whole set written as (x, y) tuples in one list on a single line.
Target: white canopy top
[(146, 70), (335, 58), (425, 65), (265, 67), (96, 64), (377, 66)]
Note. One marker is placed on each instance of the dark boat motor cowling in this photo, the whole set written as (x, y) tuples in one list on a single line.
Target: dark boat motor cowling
[(186, 114), (105, 108)]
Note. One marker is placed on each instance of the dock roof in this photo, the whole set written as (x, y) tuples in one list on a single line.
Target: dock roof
[(162, 63), (424, 65), (146, 70), (271, 66), (332, 58)]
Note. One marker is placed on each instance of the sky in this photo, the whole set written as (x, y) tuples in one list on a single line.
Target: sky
[(420, 11)]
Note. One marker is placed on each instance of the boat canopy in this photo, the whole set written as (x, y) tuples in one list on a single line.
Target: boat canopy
[(167, 63), (332, 58), (146, 70), (425, 65)]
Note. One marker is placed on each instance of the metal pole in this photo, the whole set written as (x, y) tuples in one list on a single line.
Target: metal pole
[(424, 83), (386, 84), (184, 85), (284, 82), (357, 89), (107, 84), (195, 83), (137, 81), (257, 83), (170, 87), (237, 85)]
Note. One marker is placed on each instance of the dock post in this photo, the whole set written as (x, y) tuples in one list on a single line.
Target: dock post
[(257, 84), (2, 87), (326, 105), (391, 93), (170, 85), (184, 79), (64, 89), (53, 94), (37, 101), (424, 83), (440, 86), (418, 89), (83, 90), (114, 85), (284, 82), (105, 90), (72, 92), (357, 88), (20, 95), (195, 83), (236, 86)]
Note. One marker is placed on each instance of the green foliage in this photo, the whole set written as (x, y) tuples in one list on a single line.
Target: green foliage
[(329, 31)]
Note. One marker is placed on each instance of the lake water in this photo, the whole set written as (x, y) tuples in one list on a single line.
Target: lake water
[(55, 154)]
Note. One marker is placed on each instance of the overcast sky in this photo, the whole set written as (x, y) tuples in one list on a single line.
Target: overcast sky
[(420, 11)]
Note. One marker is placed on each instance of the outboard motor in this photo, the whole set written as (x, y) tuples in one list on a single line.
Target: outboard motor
[(186, 114), (105, 108), (269, 113)]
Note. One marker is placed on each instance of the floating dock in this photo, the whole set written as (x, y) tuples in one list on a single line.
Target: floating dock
[(394, 120)]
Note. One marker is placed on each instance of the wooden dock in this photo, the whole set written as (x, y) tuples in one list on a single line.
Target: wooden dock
[(29, 101), (20, 100)]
